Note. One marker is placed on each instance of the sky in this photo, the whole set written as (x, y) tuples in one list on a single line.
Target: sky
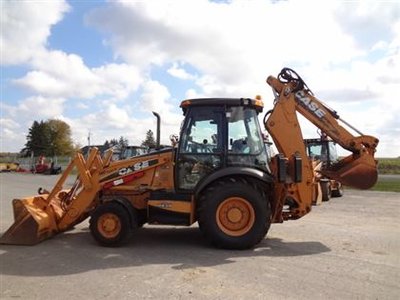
[(104, 66)]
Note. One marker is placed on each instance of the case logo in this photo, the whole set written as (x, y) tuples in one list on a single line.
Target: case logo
[(136, 167), (308, 103)]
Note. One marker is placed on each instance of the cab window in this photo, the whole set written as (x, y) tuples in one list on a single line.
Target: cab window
[(245, 144), (200, 148)]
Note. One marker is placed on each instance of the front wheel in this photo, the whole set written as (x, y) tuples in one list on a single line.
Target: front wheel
[(110, 224), (234, 214)]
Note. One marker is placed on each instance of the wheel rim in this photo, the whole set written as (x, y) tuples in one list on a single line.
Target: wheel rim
[(235, 216), (109, 225)]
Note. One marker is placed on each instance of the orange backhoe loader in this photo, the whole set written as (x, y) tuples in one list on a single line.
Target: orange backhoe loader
[(322, 152), (217, 174)]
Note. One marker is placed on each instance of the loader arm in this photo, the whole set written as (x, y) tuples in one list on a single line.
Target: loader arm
[(39, 217), (358, 170)]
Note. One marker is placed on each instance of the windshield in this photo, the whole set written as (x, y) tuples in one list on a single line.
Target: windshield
[(323, 150)]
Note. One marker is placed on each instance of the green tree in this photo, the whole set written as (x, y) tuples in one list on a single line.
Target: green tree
[(149, 141), (52, 137), (60, 138), (113, 142), (123, 142), (37, 139), (107, 144)]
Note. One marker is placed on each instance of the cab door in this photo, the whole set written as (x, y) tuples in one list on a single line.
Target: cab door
[(201, 146)]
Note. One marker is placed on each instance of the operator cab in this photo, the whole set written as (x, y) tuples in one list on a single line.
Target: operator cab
[(218, 133), (322, 150)]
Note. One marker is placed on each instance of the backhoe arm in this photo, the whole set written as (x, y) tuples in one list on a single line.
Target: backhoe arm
[(359, 169), (325, 118), (283, 126)]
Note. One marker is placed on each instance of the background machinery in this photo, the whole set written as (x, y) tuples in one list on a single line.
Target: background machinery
[(42, 167), (323, 154), (218, 174)]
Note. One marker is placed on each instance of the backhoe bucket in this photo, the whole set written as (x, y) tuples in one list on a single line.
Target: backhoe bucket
[(360, 172), (33, 222)]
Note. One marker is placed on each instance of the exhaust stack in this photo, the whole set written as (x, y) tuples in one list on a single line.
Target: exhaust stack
[(158, 129)]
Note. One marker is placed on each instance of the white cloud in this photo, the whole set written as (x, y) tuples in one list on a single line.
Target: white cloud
[(180, 72), (371, 22), (118, 80), (35, 107), (25, 27), (8, 136), (9, 133), (81, 105), (115, 117), (20, 117), (237, 43), (58, 74), (156, 97), (9, 123), (348, 53), (42, 83), (115, 121)]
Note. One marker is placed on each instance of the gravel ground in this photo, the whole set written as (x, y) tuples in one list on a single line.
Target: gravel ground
[(347, 248)]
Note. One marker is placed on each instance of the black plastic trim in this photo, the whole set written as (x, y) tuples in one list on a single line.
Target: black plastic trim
[(158, 215), (282, 168), (233, 171), (298, 168), (164, 195)]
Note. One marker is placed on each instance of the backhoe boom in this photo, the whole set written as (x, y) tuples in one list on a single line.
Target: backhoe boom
[(358, 169)]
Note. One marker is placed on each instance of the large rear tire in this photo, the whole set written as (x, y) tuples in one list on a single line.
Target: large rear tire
[(234, 214), (110, 224)]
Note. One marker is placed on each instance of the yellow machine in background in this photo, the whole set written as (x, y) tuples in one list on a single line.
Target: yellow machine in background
[(218, 174), (323, 154), (9, 167)]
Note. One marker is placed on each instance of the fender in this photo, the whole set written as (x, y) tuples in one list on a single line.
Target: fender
[(129, 207), (232, 171)]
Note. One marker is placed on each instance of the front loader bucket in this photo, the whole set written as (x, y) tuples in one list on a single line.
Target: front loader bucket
[(33, 222), (360, 172), (40, 217)]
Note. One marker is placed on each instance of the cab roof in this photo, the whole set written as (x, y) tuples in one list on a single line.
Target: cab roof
[(254, 103)]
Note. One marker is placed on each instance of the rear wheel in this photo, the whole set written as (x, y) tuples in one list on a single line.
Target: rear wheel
[(110, 224), (234, 214)]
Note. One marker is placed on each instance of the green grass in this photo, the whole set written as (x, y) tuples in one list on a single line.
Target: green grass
[(387, 185), (389, 165)]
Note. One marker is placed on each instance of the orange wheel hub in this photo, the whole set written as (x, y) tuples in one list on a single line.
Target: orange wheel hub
[(109, 225), (235, 216)]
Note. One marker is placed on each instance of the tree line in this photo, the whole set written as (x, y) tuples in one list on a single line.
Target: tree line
[(49, 138), (122, 142), (53, 138)]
